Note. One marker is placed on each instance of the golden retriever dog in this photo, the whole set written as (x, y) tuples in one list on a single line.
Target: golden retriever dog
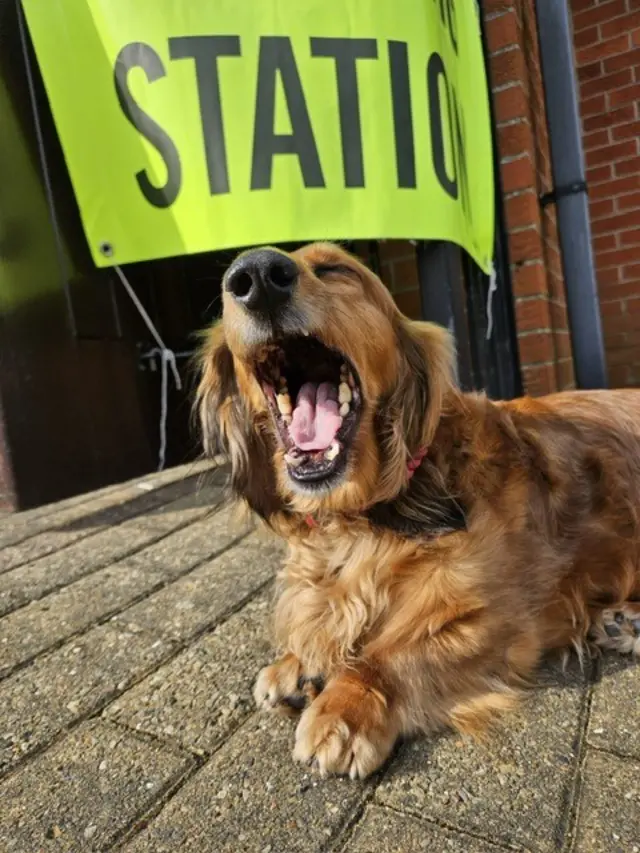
[(439, 543)]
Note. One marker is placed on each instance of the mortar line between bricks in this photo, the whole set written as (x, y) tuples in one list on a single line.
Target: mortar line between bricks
[(108, 526), (105, 617), (350, 820), (456, 830), (143, 820), (209, 629), (623, 756), (198, 762), (137, 549), (344, 833), (140, 823), (162, 740), (450, 827), (572, 809), (99, 707), (166, 792)]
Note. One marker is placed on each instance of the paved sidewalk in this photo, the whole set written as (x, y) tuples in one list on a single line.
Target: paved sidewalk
[(133, 622)]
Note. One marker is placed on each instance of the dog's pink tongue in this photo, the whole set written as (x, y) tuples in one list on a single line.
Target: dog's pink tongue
[(316, 419)]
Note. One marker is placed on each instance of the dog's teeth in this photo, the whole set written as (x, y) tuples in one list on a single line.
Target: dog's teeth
[(351, 380), (287, 419), (344, 393), (292, 460), (344, 410), (284, 404), (332, 452)]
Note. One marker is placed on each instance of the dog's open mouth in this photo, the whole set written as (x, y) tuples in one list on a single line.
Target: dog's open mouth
[(315, 399)]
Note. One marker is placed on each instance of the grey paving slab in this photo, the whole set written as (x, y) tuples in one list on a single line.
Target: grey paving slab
[(31, 582), (15, 527), (513, 790), (251, 797), (384, 830), (52, 619), (39, 702), (609, 814), (205, 692), (191, 545), (84, 791), (197, 600), (93, 522), (615, 710), (162, 641), (30, 585), (43, 624)]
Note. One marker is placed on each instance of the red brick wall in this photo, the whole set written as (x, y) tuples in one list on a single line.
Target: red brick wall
[(607, 46), (399, 271), (536, 268)]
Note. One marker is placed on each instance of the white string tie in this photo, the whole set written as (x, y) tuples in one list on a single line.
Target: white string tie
[(493, 287), (167, 360)]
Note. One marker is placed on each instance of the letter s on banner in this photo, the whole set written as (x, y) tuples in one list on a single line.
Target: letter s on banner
[(143, 56)]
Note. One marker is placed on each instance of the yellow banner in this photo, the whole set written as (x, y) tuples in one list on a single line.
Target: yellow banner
[(196, 125)]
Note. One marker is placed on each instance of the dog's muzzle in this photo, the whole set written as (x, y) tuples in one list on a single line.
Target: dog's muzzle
[(263, 282)]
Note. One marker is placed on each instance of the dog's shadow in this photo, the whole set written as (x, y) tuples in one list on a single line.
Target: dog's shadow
[(609, 664), (546, 728)]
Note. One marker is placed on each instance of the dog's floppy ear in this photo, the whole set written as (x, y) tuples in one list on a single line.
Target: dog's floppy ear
[(407, 422), (429, 352), (409, 416), (230, 427)]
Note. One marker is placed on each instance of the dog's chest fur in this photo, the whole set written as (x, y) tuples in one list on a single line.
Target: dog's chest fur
[(335, 588)]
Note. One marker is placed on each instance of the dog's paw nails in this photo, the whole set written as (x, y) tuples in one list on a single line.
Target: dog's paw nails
[(278, 689), (265, 692), (324, 743), (345, 731)]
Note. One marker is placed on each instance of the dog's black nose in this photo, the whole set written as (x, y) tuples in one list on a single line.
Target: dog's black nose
[(262, 280)]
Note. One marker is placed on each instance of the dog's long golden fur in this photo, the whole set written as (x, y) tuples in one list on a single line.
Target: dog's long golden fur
[(410, 604)]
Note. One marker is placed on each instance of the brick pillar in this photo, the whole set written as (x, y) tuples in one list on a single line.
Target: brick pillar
[(607, 45), (536, 268)]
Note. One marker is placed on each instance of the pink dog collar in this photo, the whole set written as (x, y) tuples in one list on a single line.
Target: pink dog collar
[(416, 462)]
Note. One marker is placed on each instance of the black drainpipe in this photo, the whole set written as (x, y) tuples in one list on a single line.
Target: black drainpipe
[(570, 192)]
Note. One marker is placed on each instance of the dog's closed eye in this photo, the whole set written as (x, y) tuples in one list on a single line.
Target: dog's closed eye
[(323, 270)]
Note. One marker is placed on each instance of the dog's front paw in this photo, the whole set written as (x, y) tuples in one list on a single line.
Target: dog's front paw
[(347, 730), (283, 687)]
